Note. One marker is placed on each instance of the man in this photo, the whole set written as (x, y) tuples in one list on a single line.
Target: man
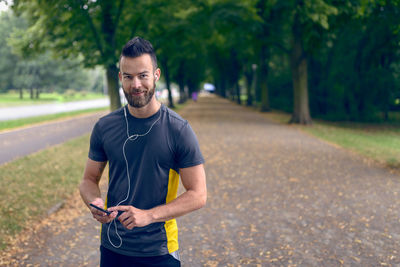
[(148, 147)]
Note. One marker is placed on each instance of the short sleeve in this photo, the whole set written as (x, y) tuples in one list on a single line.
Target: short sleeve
[(188, 152), (96, 150)]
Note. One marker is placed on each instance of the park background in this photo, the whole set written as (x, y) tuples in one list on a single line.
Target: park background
[(331, 65)]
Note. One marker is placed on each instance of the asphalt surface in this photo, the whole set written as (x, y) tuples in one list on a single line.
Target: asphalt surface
[(18, 112), (24, 141), (276, 197)]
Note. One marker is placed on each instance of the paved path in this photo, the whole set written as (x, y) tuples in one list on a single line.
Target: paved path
[(276, 197), (24, 141), (12, 113)]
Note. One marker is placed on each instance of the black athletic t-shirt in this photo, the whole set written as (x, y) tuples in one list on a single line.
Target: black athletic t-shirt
[(144, 173)]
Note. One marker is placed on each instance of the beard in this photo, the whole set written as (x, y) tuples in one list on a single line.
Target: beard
[(139, 101)]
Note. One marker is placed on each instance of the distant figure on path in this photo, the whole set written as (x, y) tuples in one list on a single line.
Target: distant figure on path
[(148, 147), (194, 96)]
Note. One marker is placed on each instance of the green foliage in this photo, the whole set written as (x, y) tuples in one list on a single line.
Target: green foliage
[(356, 78), (280, 84), (233, 26), (95, 29), (40, 71), (8, 61), (70, 93), (350, 47)]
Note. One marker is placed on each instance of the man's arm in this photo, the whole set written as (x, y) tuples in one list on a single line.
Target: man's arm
[(195, 197), (90, 190)]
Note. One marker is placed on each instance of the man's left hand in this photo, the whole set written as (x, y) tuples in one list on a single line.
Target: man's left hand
[(133, 217)]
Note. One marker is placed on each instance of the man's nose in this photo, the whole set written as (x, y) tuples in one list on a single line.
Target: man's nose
[(136, 83)]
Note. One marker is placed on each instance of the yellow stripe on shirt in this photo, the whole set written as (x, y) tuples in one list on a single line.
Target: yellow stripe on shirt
[(171, 228)]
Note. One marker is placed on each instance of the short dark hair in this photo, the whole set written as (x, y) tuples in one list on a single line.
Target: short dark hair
[(138, 46)]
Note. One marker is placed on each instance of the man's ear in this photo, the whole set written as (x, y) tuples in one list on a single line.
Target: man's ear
[(120, 76), (157, 74)]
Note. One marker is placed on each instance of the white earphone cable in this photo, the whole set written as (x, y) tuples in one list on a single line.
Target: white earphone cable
[(132, 137)]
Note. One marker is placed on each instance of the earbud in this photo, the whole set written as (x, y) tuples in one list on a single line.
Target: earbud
[(156, 77)]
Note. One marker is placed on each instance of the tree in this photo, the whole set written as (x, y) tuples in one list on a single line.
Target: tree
[(176, 41), (44, 73), (268, 32), (354, 75), (309, 20), (8, 60), (96, 30), (37, 73), (375, 57), (232, 26)]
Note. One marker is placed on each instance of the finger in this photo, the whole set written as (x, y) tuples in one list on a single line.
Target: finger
[(123, 217), (107, 218), (99, 218), (96, 213), (113, 215), (98, 202), (120, 208), (130, 226), (102, 219)]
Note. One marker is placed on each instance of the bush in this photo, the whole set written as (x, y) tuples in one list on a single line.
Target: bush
[(84, 93), (70, 93)]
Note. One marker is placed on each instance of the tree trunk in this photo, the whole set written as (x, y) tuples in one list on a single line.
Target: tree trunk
[(31, 92), (182, 93), (191, 87), (168, 83), (113, 87), (237, 89), (37, 93), (386, 114), (301, 110), (263, 79), (249, 74), (181, 83), (232, 92), (222, 87), (254, 83), (21, 93)]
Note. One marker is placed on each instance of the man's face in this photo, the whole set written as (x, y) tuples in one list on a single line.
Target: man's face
[(138, 80)]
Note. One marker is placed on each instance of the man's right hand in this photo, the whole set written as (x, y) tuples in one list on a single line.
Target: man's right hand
[(100, 216)]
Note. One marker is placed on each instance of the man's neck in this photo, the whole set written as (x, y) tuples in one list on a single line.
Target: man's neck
[(144, 112)]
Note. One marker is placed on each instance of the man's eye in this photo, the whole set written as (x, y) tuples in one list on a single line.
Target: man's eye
[(143, 76), (128, 77)]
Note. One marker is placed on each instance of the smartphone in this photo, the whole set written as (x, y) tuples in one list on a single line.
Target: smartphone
[(100, 209)]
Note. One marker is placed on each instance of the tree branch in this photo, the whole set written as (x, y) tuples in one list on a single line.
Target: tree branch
[(119, 12), (281, 47), (92, 28), (135, 25)]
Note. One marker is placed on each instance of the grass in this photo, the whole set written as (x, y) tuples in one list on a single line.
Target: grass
[(379, 141), (12, 99), (31, 185), (12, 124)]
